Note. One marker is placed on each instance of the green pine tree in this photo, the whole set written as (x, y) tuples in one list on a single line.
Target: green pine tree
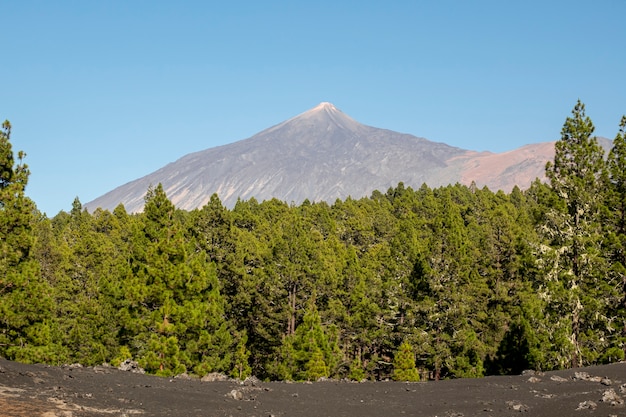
[(575, 278), (616, 241), (316, 366), (311, 351), (163, 356), (357, 373), (26, 326), (175, 294), (241, 367), (404, 364)]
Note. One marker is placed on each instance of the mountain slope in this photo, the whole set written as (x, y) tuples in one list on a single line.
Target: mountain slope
[(323, 154)]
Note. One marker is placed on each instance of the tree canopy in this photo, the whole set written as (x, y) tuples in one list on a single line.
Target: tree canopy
[(454, 281)]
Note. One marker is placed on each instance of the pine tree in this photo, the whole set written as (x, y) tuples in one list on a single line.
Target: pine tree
[(443, 295), (616, 239), (25, 302), (617, 181), (357, 373), (163, 356), (311, 352), (316, 366), (85, 262), (241, 367), (176, 296), (575, 280), (404, 364), (255, 294)]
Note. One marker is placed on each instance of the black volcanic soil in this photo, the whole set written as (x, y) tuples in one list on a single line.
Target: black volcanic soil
[(40, 390)]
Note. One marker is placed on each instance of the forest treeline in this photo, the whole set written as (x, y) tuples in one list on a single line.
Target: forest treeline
[(455, 281)]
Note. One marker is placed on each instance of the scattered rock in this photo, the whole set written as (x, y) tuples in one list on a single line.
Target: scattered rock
[(517, 406), (215, 377), (10, 391), (584, 376), (587, 405), (611, 397), (531, 372), (103, 369), (131, 366), (544, 395), (606, 381), (235, 394), (251, 381), (557, 378), (534, 379), (184, 375)]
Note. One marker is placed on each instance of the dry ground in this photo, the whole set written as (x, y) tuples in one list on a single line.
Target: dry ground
[(39, 390)]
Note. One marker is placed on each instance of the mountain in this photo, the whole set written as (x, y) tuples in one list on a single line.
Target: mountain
[(323, 154)]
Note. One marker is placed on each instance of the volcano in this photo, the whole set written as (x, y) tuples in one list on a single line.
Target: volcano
[(323, 155)]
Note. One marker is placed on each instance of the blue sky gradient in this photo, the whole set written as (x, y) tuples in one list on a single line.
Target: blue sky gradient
[(102, 93)]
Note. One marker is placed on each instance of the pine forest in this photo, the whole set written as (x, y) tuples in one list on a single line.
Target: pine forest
[(406, 284)]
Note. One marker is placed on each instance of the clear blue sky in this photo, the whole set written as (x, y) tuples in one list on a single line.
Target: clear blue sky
[(103, 92)]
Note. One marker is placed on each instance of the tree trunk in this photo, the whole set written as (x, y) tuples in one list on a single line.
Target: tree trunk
[(291, 321)]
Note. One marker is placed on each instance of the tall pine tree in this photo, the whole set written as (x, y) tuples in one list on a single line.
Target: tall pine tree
[(616, 236), (25, 303), (576, 285)]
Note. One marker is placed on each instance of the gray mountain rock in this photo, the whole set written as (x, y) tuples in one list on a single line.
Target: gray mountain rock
[(324, 155)]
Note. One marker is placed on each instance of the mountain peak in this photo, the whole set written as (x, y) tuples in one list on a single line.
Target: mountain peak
[(326, 114), (322, 155), (324, 105)]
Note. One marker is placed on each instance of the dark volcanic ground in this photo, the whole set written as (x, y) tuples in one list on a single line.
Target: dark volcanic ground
[(39, 390)]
